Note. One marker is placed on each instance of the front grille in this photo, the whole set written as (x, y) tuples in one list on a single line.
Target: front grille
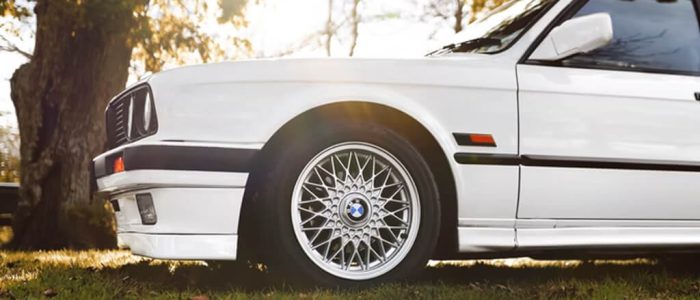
[(117, 118), (125, 124), (117, 122)]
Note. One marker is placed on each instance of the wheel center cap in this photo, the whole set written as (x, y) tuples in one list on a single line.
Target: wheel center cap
[(355, 210)]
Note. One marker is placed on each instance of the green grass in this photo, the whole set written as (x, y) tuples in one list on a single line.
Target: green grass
[(119, 275)]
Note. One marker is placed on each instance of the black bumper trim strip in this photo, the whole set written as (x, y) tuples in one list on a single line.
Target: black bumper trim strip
[(570, 162), (180, 158)]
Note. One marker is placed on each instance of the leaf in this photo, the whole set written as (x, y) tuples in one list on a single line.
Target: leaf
[(231, 9)]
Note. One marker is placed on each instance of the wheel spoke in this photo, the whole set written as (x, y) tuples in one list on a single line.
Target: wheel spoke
[(313, 215), (348, 175), (370, 248), (332, 174), (322, 186), (381, 244), (314, 228), (393, 235), (394, 227), (398, 190), (328, 248), (398, 210), (310, 192), (383, 240), (311, 242), (320, 200), (397, 218), (321, 244), (320, 178), (374, 176), (367, 254), (385, 186), (335, 174)]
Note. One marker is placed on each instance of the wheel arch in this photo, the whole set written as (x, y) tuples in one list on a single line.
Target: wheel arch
[(403, 123)]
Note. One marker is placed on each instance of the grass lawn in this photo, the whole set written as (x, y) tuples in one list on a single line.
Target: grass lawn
[(119, 275)]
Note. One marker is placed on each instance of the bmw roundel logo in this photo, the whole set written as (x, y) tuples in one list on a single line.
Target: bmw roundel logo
[(356, 210)]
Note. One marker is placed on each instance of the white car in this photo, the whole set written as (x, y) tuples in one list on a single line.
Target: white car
[(559, 129)]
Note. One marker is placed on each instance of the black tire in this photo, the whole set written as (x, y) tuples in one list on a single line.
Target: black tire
[(277, 242)]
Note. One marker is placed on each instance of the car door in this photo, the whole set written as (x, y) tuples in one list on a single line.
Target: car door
[(615, 133)]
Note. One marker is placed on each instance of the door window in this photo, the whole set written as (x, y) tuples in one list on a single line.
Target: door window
[(649, 35)]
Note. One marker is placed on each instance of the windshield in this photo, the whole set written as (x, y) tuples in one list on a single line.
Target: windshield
[(499, 29)]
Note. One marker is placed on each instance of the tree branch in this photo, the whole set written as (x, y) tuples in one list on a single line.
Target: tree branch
[(10, 47)]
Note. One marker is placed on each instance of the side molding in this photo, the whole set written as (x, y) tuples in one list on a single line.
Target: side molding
[(573, 162)]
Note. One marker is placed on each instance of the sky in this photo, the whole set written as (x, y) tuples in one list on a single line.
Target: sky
[(278, 25)]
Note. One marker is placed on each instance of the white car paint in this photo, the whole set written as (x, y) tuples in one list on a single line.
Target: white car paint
[(530, 110)]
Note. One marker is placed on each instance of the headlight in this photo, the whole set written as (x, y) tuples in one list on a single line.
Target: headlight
[(131, 116), (142, 116), (147, 113), (130, 123)]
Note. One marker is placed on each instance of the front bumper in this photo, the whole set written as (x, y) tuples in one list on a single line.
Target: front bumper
[(197, 199)]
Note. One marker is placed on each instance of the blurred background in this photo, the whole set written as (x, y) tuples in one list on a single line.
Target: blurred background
[(61, 61)]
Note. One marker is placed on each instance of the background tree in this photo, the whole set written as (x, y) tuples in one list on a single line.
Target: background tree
[(459, 13), (355, 25), (9, 153), (349, 16), (81, 58)]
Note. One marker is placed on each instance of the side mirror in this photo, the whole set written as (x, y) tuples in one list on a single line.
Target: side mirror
[(575, 36)]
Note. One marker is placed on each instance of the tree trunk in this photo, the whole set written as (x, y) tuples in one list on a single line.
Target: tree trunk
[(459, 16), (355, 26), (330, 30), (80, 60)]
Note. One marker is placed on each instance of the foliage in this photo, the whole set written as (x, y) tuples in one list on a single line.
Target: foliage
[(166, 32), (9, 154), (119, 275), (173, 32), (10, 8)]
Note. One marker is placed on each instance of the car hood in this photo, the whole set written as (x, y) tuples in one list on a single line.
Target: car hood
[(469, 70)]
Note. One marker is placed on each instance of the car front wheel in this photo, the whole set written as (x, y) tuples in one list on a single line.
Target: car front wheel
[(354, 205)]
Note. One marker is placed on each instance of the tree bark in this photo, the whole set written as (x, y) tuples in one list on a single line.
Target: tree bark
[(81, 59)]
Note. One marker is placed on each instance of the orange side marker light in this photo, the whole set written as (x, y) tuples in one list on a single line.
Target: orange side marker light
[(118, 165), (482, 139)]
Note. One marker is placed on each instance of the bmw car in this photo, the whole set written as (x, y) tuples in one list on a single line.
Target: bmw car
[(566, 128)]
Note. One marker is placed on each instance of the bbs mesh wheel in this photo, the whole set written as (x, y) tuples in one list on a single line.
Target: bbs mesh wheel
[(347, 204)]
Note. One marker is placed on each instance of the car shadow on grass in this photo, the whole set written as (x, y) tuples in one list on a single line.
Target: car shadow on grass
[(119, 275), (524, 278)]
